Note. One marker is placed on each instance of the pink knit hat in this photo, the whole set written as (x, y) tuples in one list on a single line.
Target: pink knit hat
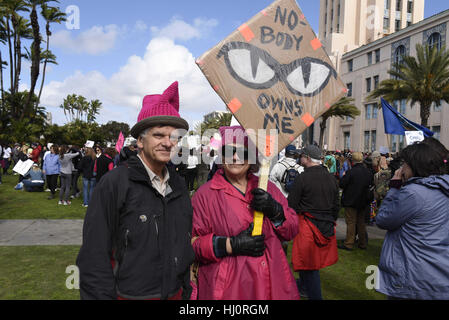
[(160, 110)]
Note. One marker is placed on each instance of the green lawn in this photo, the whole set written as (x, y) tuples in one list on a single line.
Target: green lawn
[(18, 204), (39, 272)]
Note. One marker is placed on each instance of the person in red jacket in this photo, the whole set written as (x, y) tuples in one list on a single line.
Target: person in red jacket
[(234, 265), (37, 148)]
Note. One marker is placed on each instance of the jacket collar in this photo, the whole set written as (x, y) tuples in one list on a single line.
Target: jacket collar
[(219, 182), (138, 173)]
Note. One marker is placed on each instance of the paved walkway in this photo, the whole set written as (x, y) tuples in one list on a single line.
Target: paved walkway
[(69, 232)]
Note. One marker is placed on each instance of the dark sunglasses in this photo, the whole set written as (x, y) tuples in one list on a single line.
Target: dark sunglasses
[(228, 152)]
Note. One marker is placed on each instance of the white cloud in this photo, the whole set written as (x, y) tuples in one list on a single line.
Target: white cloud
[(140, 26), (178, 29), (95, 41), (122, 93)]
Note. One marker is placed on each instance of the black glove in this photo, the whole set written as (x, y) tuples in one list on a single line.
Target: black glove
[(245, 244), (264, 202)]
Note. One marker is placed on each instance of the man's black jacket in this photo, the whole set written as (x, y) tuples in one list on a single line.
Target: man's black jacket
[(356, 187), (147, 235), (316, 192)]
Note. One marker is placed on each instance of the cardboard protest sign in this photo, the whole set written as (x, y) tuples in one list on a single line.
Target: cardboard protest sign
[(89, 144), (413, 136), (273, 73), (22, 167)]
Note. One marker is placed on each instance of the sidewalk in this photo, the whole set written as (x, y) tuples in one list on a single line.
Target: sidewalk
[(69, 232)]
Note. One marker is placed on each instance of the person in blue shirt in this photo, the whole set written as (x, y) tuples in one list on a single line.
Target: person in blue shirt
[(34, 180), (51, 169)]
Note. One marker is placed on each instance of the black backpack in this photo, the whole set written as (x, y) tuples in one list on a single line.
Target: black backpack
[(289, 176)]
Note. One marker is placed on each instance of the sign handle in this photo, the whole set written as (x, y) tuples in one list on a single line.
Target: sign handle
[(263, 184)]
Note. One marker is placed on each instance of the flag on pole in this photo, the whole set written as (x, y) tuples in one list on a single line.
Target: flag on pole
[(120, 142), (396, 123)]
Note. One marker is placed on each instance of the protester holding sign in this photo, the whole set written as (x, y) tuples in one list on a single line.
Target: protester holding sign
[(233, 265), (414, 262)]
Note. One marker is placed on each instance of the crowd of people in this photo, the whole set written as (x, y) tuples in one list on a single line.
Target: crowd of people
[(59, 168), (149, 235)]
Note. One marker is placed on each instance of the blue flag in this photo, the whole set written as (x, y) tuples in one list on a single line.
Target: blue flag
[(396, 123)]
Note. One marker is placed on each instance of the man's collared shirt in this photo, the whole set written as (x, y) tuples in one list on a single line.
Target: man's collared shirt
[(159, 184)]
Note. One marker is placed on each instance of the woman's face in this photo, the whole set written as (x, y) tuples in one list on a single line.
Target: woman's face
[(235, 160)]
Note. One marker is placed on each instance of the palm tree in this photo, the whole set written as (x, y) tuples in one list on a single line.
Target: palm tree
[(22, 30), (423, 80), (342, 108), (51, 15), (3, 40)]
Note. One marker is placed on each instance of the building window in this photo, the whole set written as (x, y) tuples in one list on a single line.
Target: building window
[(366, 141), (436, 130), (398, 5), (436, 107), (368, 84), (347, 140), (370, 58), (377, 55), (397, 25), (386, 24), (399, 54), (368, 108), (349, 86), (434, 40), (387, 4), (409, 6), (350, 65), (375, 111), (373, 140), (400, 106), (376, 82)]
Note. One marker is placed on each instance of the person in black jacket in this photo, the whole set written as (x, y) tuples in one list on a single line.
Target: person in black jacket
[(356, 197), (315, 198), (86, 168), (140, 217)]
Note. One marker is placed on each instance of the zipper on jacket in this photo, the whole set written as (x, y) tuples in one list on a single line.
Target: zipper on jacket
[(155, 217), (126, 240)]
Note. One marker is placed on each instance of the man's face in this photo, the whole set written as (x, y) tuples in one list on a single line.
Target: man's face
[(157, 144)]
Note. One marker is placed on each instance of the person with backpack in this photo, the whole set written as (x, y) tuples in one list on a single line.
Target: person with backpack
[(315, 198), (285, 171)]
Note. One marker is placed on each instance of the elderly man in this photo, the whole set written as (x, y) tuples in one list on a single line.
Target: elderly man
[(137, 230)]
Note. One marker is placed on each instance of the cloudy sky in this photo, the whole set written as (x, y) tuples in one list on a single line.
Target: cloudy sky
[(120, 51)]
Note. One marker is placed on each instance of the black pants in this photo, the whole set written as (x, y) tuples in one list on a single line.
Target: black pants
[(190, 178), (52, 182), (75, 189)]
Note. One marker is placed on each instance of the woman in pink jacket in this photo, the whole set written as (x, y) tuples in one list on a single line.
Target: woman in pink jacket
[(234, 265)]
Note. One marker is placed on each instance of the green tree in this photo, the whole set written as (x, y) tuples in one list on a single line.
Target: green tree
[(76, 107), (112, 129), (423, 80), (221, 120), (342, 108)]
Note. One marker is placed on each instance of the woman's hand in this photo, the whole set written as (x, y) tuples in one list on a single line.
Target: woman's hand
[(397, 174), (264, 202), (245, 244)]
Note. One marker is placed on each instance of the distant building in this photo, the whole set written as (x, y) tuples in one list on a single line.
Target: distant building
[(363, 57), (49, 119), (214, 114)]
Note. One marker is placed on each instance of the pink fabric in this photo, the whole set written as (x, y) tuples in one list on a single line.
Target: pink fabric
[(219, 209), (235, 134), (120, 142), (166, 104)]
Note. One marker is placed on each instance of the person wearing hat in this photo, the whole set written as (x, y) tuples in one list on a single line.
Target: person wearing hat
[(281, 175), (315, 198), (233, 264), (34, 180), (356, 197), (137, 230)]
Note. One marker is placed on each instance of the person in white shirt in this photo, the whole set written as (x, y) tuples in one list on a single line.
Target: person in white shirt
[(278, 174), (6, 158)]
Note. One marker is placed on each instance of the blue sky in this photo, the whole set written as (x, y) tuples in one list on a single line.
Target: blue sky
[(125, 50)]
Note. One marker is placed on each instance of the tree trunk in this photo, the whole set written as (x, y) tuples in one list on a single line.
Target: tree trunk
[(18, 66), (322, 130), (425, 113), (35, 58), (45, 66), (1, 79), (11, 59)]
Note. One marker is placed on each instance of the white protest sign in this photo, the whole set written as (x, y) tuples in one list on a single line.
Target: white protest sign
[(89, 144), (413, 136), (22, 167)]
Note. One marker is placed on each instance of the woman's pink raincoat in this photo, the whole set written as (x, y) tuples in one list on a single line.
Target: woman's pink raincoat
[(220, 209)]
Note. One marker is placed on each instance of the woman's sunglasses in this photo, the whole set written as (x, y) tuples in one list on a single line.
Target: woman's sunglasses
[(228, 152)]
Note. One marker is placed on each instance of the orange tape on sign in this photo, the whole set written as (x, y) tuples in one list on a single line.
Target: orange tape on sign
[(269, 144), (308, 119), (327, 105), (246, 32), (316, 44), (234, 105)]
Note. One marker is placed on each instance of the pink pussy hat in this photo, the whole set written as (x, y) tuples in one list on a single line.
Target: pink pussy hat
[(160, 110)]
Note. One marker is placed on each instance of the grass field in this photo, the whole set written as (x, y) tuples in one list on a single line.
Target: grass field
[(39, 272)]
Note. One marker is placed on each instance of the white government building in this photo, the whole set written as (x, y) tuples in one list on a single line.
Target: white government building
[(364, 38)]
